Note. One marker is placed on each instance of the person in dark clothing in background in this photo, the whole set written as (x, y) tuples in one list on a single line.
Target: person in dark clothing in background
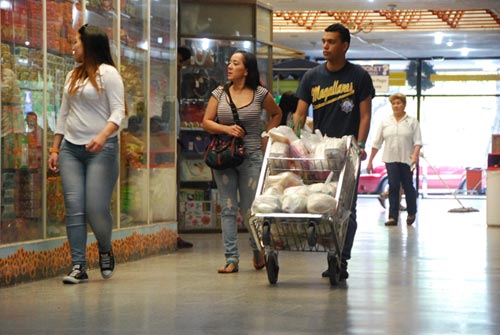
[(183, 55), (288, 105)]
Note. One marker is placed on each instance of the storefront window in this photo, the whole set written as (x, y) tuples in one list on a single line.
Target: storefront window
[(143, 47), (25, 118), (216, 20), (464, 77), (457, 130), (458, 108), (162, 102)]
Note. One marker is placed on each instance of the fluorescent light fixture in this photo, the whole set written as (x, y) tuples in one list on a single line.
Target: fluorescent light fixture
[(5, 5), (464, 52), (438, 38), (143, 45), (205, 44)]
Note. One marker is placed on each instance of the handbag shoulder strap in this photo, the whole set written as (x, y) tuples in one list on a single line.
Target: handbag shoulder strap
[(232, 105)]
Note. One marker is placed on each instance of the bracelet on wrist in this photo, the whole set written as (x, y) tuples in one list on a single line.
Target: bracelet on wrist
[(54, 150), (361, 145)]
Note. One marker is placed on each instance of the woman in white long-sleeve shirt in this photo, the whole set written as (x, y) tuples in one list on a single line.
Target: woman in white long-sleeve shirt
[(403, 140), (86, 151)]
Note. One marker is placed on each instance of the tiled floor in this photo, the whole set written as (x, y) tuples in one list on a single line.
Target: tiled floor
[(440, 276)]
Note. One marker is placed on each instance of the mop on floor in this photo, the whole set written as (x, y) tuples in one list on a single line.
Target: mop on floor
[(462, 208)]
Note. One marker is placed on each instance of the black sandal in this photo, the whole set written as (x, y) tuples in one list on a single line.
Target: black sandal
[(230, 267)]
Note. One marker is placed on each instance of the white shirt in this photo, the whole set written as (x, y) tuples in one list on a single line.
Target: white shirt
[(400, 139), (83, 115)]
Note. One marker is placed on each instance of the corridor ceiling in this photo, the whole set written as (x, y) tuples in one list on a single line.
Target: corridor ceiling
[(403, 29)]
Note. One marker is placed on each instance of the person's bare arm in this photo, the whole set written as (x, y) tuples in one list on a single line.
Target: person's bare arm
[(369, 165), (97, 143), (416, 154), (213, 127), (274, 112), (365, 111), (299, 117), (53, 160)]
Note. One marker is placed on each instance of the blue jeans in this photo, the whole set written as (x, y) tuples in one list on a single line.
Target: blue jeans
[(400, 174), (88, 181), (240, 180)]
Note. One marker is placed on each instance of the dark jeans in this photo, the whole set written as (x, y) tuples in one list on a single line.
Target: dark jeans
[(400, 174), (351, 227)]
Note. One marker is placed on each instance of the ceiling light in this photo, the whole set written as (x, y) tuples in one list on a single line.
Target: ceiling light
[(449, 43), (205, 44), (464, 52), (143, 45), (247, 45), (6, 5), (438, 38)]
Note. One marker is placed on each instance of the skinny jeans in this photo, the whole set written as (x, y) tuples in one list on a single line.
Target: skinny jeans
[(88, 181), (233, 184)]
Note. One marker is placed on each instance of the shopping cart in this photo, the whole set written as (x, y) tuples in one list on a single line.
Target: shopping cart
[(274, 232)]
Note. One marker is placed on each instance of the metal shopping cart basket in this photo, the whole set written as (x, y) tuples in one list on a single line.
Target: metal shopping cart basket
[(274, 232)]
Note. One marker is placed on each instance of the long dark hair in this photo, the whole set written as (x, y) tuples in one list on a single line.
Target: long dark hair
[(96, 51), (250, 61)]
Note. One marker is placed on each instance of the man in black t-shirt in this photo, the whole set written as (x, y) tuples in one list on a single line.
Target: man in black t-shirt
[(340, 94)]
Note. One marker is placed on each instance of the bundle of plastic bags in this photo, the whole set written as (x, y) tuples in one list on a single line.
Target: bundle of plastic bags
[(287, 193), (320, 153)]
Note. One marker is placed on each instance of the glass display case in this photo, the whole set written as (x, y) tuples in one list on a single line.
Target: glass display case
[(207, 68), (213, 31), (36, 56), (148, 138), (33, 75)]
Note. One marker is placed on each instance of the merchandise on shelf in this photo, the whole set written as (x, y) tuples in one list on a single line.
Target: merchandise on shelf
[(194, 170), (197, 208), (21, 200), (191, 113), (193, 143), (197, 215)]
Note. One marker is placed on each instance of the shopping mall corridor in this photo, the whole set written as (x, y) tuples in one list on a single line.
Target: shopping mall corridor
[(439, 276)]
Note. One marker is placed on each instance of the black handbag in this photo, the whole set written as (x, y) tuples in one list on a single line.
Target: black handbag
[(225, 151)]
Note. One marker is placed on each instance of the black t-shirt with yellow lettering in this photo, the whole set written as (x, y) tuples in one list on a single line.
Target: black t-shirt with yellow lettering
[(335, 97)]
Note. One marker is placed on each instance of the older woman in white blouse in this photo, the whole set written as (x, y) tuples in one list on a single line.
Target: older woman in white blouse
[(400, 134)]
